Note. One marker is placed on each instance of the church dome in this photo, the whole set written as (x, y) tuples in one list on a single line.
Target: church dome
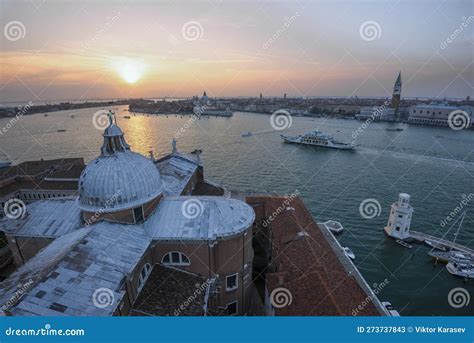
[(118, 179)]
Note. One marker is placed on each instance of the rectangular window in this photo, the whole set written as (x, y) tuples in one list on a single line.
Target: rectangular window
[(232, 308), (231, 282), (175, 258), (138, 214)]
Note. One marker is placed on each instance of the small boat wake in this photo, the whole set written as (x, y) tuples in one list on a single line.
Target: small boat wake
[(417, 157)]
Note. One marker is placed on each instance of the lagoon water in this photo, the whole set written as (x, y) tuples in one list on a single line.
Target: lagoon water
[(434, 165)]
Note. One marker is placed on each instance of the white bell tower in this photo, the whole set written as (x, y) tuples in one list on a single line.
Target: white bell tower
[(398, 225)]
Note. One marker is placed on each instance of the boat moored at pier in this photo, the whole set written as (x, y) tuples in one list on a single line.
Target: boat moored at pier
[(465, 270)]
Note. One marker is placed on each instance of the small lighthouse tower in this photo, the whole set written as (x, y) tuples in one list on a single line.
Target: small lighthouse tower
[(398, 225)]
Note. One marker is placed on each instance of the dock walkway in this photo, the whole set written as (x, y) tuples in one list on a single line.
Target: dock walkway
[(423, 236)]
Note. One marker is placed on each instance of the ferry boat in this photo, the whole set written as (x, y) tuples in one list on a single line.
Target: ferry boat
[(465, 270), (317, 138)]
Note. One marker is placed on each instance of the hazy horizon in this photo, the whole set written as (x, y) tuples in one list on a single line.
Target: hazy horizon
[(109, 50)]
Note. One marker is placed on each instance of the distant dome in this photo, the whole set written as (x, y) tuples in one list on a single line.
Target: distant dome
[(118, 179)]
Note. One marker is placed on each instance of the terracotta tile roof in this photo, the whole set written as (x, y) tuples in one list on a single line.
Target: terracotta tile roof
[(304, 262), (171, 292), (36, 167)]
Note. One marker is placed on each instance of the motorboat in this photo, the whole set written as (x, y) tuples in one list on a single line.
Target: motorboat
[(349, 253), (391, 310), (465, 270), (333, 226), (404, 244)]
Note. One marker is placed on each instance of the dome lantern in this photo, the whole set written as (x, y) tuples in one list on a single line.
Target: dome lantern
[(114, 140)]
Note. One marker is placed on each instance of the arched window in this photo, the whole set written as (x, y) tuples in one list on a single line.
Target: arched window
[(175, 258), (143, 275)]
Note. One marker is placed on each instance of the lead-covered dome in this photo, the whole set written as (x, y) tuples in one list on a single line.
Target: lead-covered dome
[(118, 179)]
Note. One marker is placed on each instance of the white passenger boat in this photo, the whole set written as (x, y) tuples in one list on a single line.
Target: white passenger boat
[(349, 253), (333, 226), (465, 270), (317, 138), (390, 309)]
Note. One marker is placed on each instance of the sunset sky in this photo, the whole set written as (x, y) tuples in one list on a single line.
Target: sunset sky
[(117, 49)]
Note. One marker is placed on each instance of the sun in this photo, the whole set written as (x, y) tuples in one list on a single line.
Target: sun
[(129, 70)]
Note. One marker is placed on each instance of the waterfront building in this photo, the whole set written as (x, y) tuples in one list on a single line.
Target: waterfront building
[(399, 220), (435, 113)]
